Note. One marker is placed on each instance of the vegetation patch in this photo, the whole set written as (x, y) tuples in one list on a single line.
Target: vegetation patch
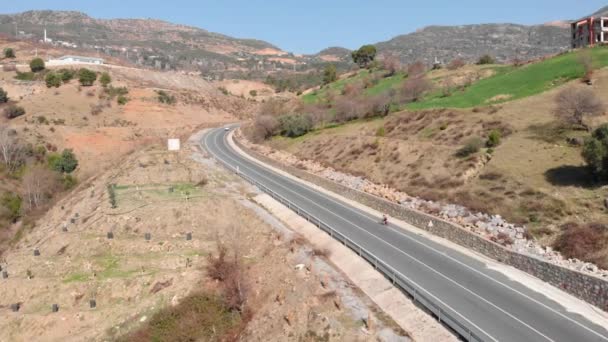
[(518, 82), (199, 316)]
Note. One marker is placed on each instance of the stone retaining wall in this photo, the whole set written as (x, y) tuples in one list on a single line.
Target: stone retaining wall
[(591, 289)]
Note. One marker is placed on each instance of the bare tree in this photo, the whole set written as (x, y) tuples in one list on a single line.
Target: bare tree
[(11, 149), (348, 108), (416, 69), (391, 64), (456, 63), (415, 87), (574, 104), (38, 183)]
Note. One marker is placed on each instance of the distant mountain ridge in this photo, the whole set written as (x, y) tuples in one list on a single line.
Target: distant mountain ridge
[(504, 41), (148, 42), (163, 45)]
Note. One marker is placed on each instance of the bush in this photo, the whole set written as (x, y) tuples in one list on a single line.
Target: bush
[(66, 75), (52, 80), (105, 79), (12, 203), (112, 92), (9, 53), (264, 127), (295, 125), (25, 76), (472, 146), (13, 111), (456, 64), (69, 182), (595, 152), (414, 88), (112, 195), (253, 93), (3, 96), (37, 64), (583, 242), (329, 74), (223, 90), (86, 77), (122, 100), (380, 132), (66, 162), (493, 139), (164, 97), (486, 59)]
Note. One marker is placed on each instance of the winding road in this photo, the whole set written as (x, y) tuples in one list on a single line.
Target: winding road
[(494, 307)]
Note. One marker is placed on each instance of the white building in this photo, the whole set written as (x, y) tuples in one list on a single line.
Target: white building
[(81, 59)]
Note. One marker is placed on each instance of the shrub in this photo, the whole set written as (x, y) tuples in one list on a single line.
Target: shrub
[(86, 77), (416, 69), (329, 74), (105, 79), (253, 93), (3, 96), (493, 139), (295, 125), (391, 63), (472, 146), (456, 64), (595, 152), (69, 182), (66, 75), (486, 59), (122, 100), (164, 97), (112, 195), (13, 111), (380, 132), (9, 53), (66, 162), (223, 90), (415, 87), (112, 92), (37, 64), (12, 204), (264, 127), (582, 241), (574, 104), (25, 76), (52, 80)]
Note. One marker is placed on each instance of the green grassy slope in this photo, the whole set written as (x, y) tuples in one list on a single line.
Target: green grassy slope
[(518, 83)]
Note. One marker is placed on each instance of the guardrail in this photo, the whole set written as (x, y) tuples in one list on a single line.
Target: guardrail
[(445, 314)]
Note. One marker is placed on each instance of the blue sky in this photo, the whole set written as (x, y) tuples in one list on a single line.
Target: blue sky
[(307, 26)]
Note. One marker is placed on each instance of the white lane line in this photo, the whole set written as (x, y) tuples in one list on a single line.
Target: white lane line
[(397, 230), (394, 247)]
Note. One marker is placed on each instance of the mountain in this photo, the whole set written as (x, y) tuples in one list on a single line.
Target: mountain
[(504, 41), (147, 42)]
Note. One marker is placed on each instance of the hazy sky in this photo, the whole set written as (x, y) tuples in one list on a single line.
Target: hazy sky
[(307, 26)]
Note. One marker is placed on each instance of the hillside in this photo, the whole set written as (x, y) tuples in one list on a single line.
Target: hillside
[(146, 42), (504, 41)]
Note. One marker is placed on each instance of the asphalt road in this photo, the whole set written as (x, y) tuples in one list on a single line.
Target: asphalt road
[(497, 308)]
